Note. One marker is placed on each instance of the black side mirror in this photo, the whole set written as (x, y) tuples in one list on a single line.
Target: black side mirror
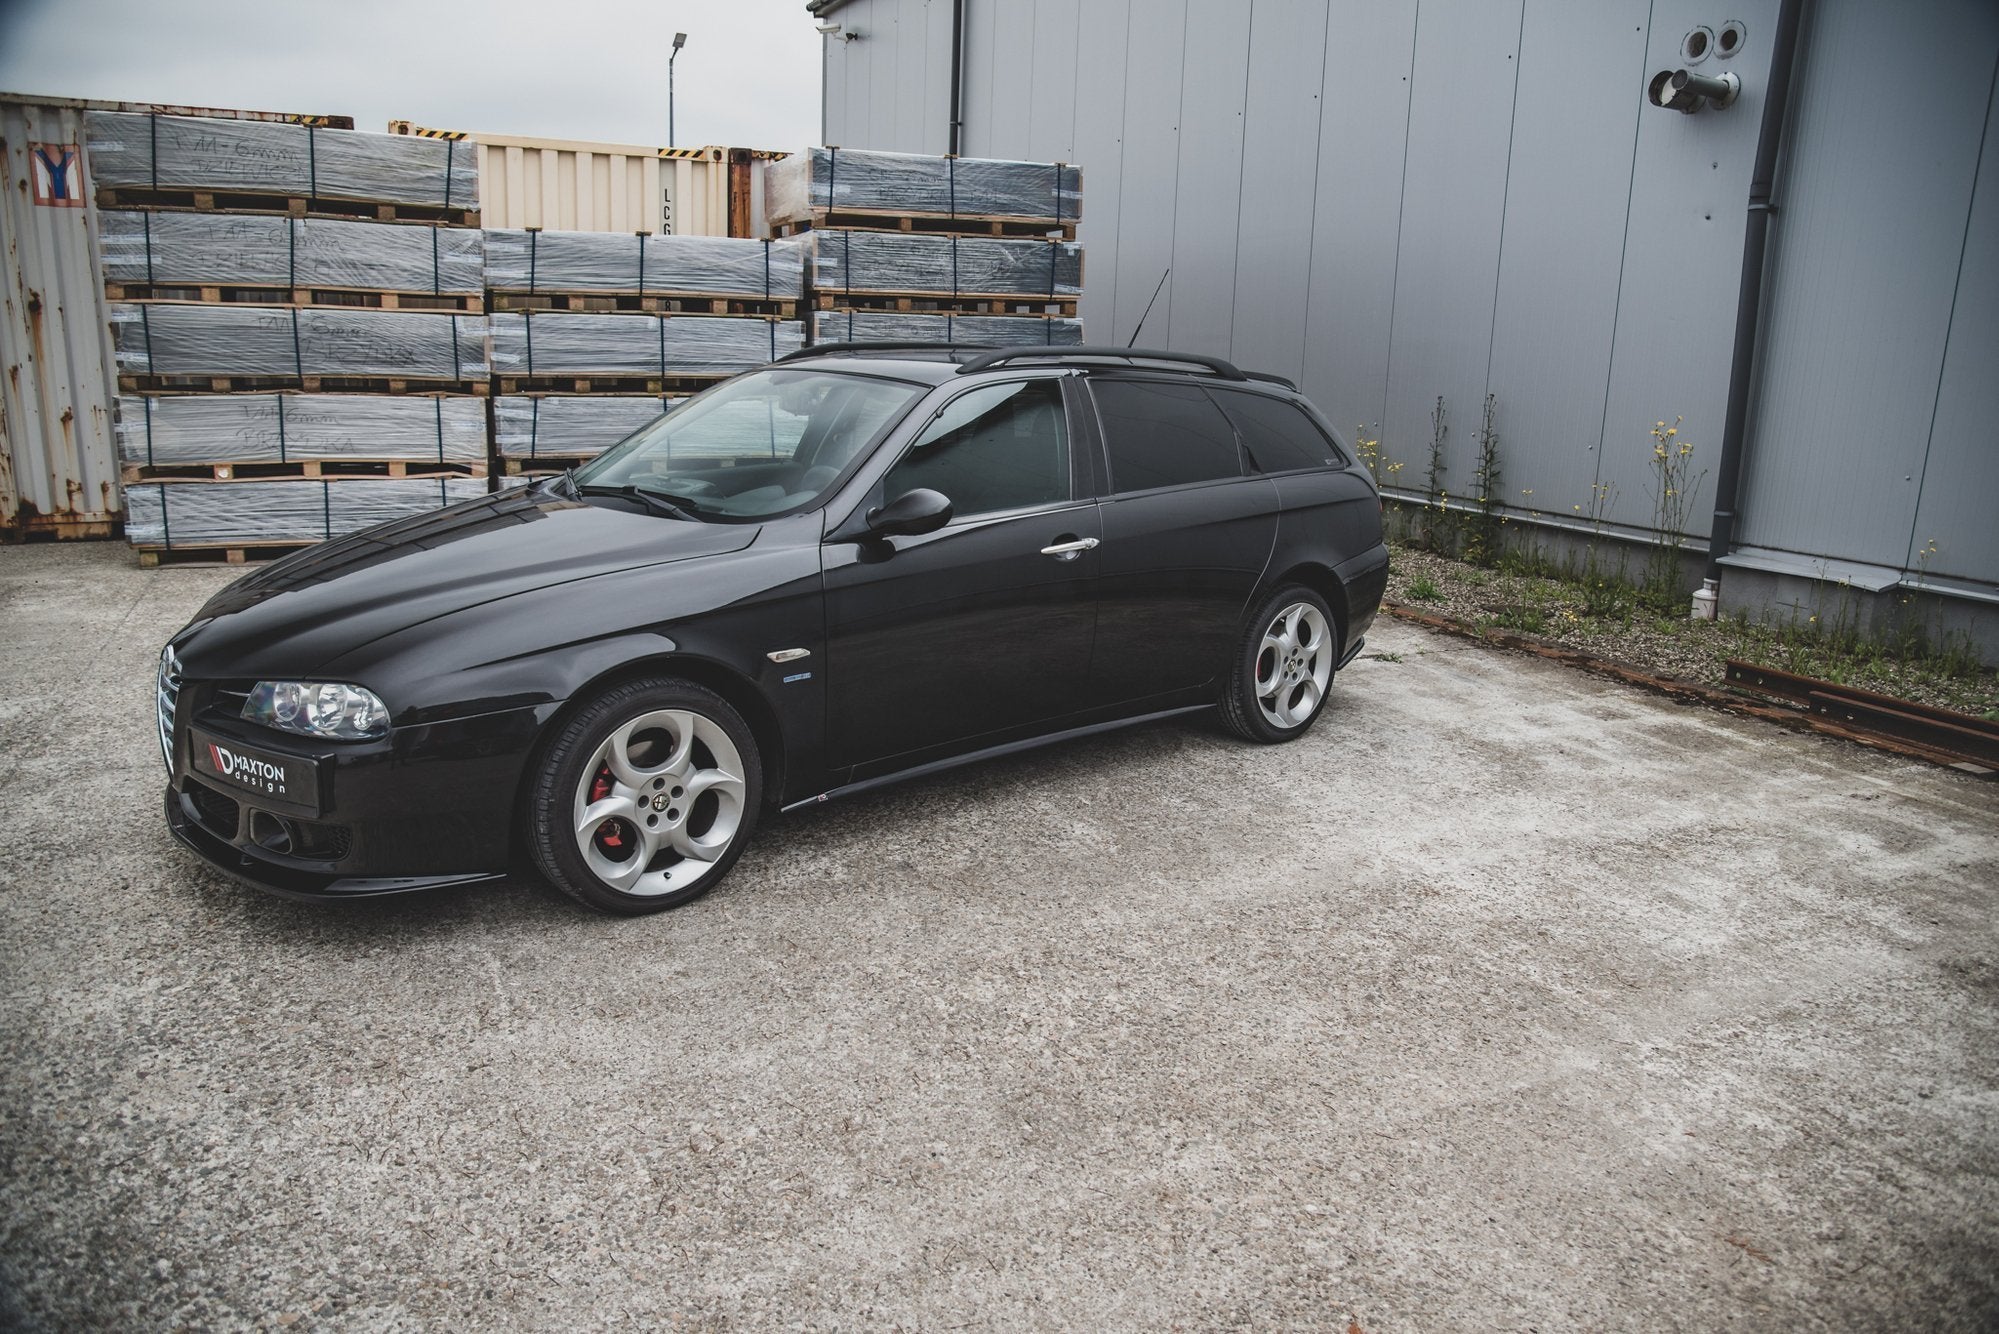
[(911, 513)]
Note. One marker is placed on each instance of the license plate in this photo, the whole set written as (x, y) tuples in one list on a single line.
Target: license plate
[(290, 779)]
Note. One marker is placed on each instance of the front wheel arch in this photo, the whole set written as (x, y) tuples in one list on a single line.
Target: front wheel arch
[(735, 689)]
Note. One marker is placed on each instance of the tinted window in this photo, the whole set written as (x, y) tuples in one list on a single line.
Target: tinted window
[(1002, 447), (1163, 434), (1279, 435)]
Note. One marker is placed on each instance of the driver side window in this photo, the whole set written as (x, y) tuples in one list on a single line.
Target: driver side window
[(1001, 447)]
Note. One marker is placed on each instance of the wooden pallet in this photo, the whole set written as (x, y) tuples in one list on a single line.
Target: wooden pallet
[(931, 224), (201, 553), (543, 464), (658, 303), (297, 206), (944, 303), (606, 384), (311, 384), (233, 470), (466, 303)]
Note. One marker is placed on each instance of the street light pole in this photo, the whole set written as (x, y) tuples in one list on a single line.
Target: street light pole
[(679, 40)]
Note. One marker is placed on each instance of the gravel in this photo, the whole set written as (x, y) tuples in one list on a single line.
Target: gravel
[(1676, 645), (1507, 998)]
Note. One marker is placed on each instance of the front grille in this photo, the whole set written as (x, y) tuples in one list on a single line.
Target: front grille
[(219, 814), (166, 698)]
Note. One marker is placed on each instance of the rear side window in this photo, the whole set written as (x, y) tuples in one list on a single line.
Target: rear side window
[(1279, 435), (1161, 434)]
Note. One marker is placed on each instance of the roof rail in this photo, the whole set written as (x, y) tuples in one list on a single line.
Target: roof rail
[(1214, 365), (863, 348), (1268, 378)]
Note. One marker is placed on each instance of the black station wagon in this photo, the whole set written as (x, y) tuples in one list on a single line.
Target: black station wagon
[(858, 564)]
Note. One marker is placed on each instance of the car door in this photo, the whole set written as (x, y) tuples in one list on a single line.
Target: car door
[(938, 641), (1187, 534)]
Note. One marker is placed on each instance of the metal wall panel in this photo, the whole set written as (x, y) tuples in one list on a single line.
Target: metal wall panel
[(1453, 198), (58, 460), (1099, 148), (1873, 203), (1682, 266), (1287, 65), (1051, 108), (1356, 213), (1143, 250), (1421, 218), (1562, 247), (1959, 507), (1200, 301), (1006, 64)]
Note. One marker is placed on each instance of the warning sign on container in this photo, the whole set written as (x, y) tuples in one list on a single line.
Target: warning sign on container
[(57, 170)]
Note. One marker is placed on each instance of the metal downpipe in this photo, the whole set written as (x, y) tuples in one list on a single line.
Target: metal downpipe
[(957, 77), (1748, 304)]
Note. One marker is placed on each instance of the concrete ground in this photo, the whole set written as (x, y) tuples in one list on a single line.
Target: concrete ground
[(1509, 998)]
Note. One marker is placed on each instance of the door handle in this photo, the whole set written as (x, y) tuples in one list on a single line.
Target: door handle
[(1066, 550)]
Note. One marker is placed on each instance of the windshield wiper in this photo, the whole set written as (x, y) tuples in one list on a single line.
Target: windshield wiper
[(673, 507)]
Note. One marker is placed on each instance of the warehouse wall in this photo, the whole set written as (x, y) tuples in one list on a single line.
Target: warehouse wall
[(1394, 200)]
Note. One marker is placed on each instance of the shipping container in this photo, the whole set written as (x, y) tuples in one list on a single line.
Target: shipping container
[(572, 185), (58, 456)]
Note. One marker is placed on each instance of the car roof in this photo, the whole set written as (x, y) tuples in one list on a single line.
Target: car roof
[(937, 363)]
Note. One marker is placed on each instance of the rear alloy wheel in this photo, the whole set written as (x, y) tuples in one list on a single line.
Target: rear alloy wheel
[(1283, 668), (645, 798)]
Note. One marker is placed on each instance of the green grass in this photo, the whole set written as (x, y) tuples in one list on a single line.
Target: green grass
[(1424, 589)]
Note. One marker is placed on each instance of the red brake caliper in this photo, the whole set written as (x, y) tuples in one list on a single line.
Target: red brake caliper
[(610, 833)]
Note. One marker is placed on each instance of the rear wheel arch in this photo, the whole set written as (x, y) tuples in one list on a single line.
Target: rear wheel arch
[(1321, 580)]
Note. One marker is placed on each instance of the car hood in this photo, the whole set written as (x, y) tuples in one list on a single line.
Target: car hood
[(302, 614)]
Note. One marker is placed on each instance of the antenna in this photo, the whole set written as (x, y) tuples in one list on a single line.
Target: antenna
[(1148, 306)]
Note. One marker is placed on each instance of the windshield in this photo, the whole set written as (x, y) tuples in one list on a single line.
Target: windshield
[(759, 445)]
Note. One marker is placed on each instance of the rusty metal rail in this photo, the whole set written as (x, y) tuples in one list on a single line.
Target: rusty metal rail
[(1954, 737)]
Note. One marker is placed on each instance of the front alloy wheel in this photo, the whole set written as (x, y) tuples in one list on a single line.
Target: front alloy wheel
[(1283, 668), (645, 799)]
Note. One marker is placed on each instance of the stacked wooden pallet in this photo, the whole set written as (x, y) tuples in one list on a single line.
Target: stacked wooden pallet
[(594, 334), (298, 316), (905, 246)]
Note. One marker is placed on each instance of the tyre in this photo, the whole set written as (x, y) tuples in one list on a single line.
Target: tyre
[(1283, 668), (645, 798)]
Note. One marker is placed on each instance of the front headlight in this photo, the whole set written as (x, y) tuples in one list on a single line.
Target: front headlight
[(318, 708)]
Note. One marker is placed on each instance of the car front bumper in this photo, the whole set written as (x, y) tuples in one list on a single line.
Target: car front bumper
[(426, 806)]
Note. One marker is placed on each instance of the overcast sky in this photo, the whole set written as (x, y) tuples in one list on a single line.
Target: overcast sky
[(584, 69)]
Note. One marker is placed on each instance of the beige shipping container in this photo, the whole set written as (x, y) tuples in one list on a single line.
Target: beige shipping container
[(573, 185)]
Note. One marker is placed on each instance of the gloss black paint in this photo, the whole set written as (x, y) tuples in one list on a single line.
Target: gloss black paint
[(480, 624)]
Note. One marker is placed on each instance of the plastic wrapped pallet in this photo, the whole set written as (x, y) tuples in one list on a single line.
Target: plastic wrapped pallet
[(571, 425), (562, 343), (907, 262), (859, 181), (867, 326), (287, 341), (284, 428), (196, 514), (137, 149), (530, 261), (258, 250)]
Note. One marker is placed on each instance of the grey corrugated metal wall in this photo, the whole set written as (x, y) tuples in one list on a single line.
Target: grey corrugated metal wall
[(1394, 200)]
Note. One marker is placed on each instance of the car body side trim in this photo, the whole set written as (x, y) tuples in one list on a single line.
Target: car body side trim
[(994, 752)]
